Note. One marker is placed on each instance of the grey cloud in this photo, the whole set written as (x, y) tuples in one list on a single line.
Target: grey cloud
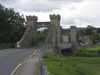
[(42, 7), (68, 21), (67, 0), (46, 6), (35, 7), (94, 21), (8, 1), (89, 19)]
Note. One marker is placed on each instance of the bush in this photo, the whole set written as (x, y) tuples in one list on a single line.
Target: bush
[(85, 53), (99, 52)]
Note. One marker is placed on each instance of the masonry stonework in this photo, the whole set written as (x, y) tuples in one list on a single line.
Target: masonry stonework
[(29, 37), (54, 37), (56, 29), (73, 37)]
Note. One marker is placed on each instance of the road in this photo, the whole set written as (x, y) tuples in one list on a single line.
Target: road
[(9, 59)]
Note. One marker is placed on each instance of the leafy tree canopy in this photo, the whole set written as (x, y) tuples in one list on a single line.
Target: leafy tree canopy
[(11, 25), (90, 30)]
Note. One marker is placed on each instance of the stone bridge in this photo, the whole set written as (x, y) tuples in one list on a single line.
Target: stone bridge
[(57, 36)]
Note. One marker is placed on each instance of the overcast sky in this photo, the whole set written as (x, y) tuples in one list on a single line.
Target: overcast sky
[(73, 12)]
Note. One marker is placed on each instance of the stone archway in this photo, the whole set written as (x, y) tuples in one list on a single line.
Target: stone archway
[(46, 25)]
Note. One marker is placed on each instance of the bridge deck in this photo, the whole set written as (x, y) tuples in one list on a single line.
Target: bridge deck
[(45, 23)]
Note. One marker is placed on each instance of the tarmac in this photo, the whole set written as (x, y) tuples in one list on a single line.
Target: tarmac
[(30, 66)]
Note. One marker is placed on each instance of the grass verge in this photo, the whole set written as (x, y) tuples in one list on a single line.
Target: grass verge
[(59, 65), (88, 51)]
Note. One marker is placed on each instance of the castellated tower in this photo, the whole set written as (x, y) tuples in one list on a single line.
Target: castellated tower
[(56, 29), (55, 19), (73, 37), (29, 37), (30, 20), (58, 17)]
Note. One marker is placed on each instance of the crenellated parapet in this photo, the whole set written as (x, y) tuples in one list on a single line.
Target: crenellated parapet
[(31, 20), (34, 18), (58, 17)]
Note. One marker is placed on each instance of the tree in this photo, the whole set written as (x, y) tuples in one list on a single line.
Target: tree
[(42, 35), (98, 30), (11, 25), (90, 30)]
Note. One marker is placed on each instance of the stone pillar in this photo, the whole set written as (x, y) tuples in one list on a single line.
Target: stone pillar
[(56, 33), (29, 37), (73, 37)]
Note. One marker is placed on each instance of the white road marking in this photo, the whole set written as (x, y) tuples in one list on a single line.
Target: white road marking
[(22, 62)]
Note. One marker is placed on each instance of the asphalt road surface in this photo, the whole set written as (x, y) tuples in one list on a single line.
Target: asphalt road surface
[(9, 59)]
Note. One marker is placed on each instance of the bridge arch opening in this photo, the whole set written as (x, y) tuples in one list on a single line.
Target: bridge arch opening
[(42, 34)]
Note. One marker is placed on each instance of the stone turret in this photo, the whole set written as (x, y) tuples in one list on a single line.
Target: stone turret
[(73, 37), (56, 31), (57, 17), (30, 20), (73, 33), (29, 37)]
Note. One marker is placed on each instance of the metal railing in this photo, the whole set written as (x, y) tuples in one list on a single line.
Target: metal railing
[(46, 72)]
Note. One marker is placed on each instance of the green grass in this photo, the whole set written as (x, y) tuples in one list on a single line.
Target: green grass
[(88, 51), (93, 48), (59, 65)]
